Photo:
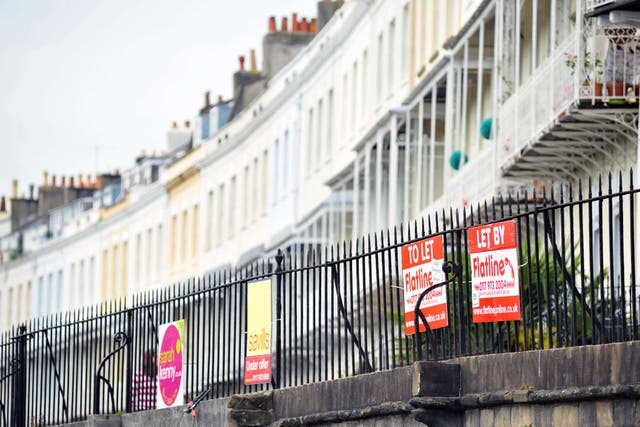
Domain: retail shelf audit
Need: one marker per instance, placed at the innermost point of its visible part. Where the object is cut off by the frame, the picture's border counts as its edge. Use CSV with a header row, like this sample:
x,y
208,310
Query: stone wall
x,y
582,386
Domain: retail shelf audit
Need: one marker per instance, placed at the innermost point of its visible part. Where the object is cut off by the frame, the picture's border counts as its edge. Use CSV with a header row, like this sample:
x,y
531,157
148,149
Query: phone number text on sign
x,y
494,272
421,268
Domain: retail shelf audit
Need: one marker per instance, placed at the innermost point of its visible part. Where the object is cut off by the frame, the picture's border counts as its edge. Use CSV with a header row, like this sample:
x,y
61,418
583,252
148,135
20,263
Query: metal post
x,y
19,416
129,373
278,273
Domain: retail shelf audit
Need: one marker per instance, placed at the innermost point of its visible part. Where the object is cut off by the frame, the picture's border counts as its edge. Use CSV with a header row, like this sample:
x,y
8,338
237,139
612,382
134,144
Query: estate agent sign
x,y
171,358
495,291
421,268
257,364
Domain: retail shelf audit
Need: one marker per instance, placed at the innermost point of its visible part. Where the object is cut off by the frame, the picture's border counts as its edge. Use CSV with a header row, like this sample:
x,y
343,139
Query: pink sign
x,y
170,365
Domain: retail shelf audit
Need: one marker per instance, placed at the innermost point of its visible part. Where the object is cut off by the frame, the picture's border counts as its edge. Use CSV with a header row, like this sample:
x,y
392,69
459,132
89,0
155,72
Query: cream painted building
x,y
182,184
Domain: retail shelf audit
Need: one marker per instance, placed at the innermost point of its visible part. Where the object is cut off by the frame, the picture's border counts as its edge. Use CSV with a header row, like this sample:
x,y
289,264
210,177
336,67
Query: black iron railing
x,y
338,310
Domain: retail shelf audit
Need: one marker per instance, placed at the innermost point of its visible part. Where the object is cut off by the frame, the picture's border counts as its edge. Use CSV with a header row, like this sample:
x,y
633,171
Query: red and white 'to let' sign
x,y
494,272
421,268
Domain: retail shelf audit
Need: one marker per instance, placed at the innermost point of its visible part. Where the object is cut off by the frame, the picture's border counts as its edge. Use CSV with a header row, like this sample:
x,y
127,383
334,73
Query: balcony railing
x,y
536,104
592,4
473,184
608,64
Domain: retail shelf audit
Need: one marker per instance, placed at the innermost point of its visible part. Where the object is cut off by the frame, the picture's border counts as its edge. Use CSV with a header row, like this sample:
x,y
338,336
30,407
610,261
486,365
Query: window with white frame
x,y
405,41
148,254
58,296
159,243
245,197
329,145
72,291
39,309
183,235
309,142
255,192
138,256
379,69
81,283
354,94
276,171
364,83
391,56
265,180
319,136
209,230
284,173
343,109
91,280
195,220
232,207
174,239
220,215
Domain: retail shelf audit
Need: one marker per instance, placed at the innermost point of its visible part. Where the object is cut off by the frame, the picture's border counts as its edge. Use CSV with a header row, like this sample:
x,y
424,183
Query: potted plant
x,y
590,67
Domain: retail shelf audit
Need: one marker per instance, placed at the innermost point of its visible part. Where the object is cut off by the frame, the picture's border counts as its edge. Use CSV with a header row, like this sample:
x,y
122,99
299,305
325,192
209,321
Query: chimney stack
x,y
206,99
63,181
53,180
254,68
241,59
187,123
72,183
294,23
3,204
219,99
31,188
15,188
272,24
285,25
46,179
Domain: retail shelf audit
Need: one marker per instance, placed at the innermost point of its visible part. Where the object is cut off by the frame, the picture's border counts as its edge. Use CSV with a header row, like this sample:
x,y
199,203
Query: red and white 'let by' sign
x,y
421,268
494,272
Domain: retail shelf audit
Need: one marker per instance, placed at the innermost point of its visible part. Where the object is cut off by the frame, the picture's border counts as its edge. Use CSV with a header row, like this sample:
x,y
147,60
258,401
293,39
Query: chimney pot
x,y
313,26
72,183
241,60
174,125
294,22
285,25
253,61
206,99
31,190
219,99
53,180
116,171
272,24
46,179
63,181
3,204
187,124
15,188
80,181
304,26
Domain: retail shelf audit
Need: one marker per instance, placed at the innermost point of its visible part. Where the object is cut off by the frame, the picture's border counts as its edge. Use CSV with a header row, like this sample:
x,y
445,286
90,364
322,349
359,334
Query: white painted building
x,y
393,110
